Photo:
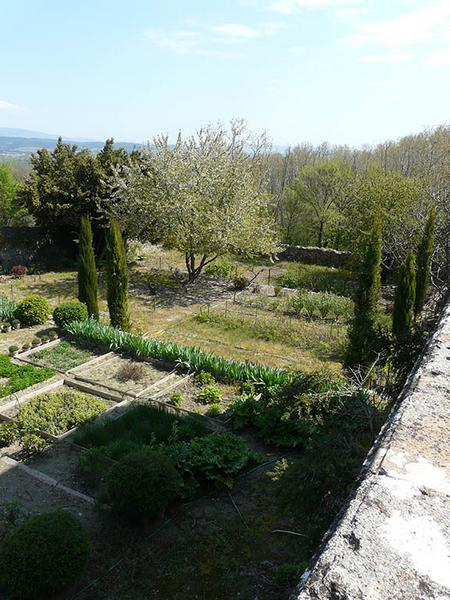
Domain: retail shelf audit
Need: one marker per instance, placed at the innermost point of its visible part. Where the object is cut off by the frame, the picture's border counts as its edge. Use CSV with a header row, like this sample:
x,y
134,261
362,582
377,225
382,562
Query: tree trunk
x,y
193,270
320,239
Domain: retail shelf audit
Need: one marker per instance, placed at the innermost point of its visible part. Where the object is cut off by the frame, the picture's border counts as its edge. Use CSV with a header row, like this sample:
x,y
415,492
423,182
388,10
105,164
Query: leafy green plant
x,y
7,309
58,411
189,357
221,267
13,350
324,304
33,310
142,484
9,432
289,415
33,443
43,555
219,457
204,378
67,312
20,376
209,395
240,282
215,410
176,398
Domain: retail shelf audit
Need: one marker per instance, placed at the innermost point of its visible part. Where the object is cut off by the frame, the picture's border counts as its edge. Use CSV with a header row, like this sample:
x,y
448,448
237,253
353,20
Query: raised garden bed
x,y
63,356
127,376
15,377
45,417
192,397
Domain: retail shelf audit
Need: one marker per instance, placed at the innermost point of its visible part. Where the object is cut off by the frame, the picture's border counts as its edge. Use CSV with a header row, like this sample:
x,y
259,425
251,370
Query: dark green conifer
x,y
405,297
424,254
87,272
117,278
363,330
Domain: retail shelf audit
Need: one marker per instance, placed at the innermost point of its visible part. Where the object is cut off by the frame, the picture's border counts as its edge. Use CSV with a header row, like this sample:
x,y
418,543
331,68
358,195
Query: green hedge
x,y
190,358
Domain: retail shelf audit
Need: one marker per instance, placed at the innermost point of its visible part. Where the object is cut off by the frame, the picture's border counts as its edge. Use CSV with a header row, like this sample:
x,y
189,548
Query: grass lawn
x,y
14,378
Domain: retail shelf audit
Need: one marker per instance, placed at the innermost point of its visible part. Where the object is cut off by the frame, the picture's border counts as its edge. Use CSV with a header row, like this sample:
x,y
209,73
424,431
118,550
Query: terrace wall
x,y
311,255
392,541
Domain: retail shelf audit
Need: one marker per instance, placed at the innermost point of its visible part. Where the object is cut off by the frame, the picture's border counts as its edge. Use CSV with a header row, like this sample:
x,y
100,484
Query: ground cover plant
x,y
53,412
18,377
199,456
64,356
190,358
318,279
58,411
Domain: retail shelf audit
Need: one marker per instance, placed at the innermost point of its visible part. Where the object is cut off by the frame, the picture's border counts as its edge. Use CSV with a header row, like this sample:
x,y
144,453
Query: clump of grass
x,y
130,372
318,279
7,308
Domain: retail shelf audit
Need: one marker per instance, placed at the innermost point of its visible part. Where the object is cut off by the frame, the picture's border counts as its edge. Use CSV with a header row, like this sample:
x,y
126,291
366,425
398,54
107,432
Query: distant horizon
x,y
31,134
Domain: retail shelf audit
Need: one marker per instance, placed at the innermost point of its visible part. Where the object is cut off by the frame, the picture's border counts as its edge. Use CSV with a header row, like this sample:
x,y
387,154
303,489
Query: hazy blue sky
x,y
346,71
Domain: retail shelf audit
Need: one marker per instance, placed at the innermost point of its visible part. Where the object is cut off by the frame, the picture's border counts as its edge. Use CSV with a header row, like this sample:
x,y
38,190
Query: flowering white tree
x,y
203,196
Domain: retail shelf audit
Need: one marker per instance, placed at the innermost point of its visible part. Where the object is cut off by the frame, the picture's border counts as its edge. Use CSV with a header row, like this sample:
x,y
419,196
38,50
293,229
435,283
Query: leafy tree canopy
x,y
203,196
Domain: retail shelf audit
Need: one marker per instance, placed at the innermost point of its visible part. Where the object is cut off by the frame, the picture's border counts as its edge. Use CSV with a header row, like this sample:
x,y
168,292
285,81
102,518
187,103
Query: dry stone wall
x,y
310,255
392,542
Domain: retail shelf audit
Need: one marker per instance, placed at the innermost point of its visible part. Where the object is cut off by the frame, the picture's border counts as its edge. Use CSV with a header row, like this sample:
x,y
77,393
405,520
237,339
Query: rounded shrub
x,y
68,312
33,310
43,556
142,484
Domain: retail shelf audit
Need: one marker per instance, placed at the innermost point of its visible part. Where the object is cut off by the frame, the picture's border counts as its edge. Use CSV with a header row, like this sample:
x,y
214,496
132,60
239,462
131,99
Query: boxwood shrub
x,y
33,310
67,312
142,484
43,555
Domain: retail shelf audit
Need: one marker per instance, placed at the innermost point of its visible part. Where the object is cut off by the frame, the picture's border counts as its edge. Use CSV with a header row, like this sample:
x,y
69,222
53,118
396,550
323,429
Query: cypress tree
x,y
364,326
87,272
117,278
424,254
405,297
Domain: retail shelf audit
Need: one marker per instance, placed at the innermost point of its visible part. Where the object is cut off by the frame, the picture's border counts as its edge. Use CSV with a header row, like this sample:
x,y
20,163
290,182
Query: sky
x,y
342,71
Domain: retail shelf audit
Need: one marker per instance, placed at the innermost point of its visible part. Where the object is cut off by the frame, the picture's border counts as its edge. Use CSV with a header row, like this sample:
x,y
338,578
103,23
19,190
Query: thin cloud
x,y
179,42
4,105
236,32
288,7
429,23
387,58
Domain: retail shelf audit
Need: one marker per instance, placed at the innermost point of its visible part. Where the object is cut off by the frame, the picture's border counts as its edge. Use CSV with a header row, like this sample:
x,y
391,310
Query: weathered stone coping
x,y
392,541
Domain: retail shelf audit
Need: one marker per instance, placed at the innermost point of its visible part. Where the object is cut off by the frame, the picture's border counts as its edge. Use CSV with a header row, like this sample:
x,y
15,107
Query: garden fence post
x,y
268,279
226,307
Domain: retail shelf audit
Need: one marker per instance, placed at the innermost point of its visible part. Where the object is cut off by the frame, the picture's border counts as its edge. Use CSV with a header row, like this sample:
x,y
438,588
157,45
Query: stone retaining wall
x,y
392,542
311,255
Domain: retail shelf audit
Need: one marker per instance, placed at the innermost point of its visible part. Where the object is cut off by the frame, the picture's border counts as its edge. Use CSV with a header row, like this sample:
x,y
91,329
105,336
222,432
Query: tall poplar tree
x,y
364,326
87,271
117,278
405,297
424,254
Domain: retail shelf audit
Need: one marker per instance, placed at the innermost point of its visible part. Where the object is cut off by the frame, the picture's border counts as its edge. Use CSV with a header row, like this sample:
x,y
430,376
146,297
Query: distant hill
x,y
23,142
